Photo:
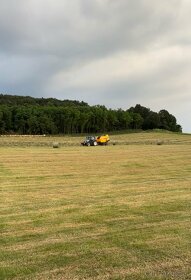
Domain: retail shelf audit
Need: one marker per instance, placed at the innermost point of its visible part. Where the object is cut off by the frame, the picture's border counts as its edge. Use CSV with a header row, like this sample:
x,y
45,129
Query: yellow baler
x,y
103,139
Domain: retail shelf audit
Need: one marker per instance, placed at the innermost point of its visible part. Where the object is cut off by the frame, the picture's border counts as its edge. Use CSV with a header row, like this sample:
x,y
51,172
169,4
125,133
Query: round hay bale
x,y
160,142
55,145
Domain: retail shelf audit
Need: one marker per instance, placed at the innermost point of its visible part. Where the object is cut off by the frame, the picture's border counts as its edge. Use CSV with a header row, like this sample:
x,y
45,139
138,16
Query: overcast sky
x,y
112,52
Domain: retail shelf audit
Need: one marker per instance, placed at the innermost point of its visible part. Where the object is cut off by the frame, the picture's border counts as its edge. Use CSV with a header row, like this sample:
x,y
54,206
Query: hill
x,y
99,213
138,138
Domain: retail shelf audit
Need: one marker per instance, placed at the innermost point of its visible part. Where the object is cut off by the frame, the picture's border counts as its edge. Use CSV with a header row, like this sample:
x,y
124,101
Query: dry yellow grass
x,y
116,212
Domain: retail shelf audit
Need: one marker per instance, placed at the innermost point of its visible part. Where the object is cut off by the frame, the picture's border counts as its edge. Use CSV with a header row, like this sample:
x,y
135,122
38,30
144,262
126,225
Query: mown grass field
x,y
115,212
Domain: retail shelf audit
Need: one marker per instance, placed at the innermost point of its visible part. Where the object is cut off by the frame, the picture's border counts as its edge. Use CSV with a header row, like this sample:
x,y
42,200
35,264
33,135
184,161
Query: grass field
x,y
115,212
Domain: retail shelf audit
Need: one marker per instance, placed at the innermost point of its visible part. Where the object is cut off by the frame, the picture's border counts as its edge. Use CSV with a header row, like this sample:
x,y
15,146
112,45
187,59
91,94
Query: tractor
x,y
94,141
89,141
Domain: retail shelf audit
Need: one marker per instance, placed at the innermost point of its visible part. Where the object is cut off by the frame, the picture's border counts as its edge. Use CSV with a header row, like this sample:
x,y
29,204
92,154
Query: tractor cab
x,y
89,141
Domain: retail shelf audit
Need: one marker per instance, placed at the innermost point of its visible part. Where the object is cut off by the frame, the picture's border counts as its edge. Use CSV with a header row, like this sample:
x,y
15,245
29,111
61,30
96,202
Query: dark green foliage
x,y
14,100
152,120
168,121
27,115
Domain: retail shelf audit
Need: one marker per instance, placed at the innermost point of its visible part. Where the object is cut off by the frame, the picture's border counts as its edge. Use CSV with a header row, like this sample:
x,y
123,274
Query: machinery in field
x,y
103,139
94,141
89,141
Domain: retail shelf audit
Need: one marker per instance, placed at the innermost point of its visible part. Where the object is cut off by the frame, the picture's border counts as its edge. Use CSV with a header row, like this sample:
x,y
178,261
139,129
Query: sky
x,y
116,53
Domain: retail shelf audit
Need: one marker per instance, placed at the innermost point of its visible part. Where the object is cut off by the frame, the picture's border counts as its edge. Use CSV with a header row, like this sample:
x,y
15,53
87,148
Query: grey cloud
x,y
46,44
90,28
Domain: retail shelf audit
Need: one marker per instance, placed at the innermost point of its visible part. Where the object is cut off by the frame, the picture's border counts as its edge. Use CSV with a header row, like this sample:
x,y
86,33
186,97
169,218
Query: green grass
x,y
116,212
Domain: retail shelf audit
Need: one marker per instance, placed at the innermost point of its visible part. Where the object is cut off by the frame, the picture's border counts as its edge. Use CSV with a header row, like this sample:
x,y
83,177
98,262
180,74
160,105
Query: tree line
x,y
28,115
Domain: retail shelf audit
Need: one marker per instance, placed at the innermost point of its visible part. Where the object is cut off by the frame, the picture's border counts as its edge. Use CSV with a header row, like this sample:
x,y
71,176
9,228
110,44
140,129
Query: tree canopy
x,y
28,115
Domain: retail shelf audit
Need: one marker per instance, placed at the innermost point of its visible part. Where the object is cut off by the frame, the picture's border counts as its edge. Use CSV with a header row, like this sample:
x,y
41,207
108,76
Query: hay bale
x,y
55,145
160,142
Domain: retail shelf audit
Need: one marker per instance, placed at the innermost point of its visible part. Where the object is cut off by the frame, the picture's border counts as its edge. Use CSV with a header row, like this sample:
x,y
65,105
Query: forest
x,y
29,115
